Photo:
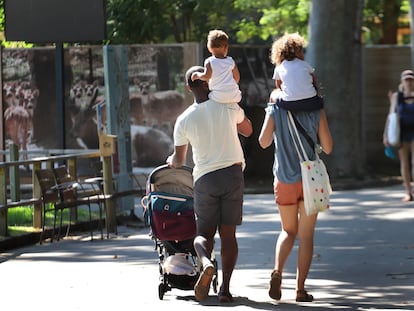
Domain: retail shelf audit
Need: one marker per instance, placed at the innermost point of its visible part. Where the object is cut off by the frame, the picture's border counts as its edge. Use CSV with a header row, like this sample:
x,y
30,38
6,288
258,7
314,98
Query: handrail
x,y
54,158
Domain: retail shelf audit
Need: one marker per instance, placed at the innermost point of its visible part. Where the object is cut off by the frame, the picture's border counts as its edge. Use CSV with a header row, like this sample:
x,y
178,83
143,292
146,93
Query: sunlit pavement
x,y
363,260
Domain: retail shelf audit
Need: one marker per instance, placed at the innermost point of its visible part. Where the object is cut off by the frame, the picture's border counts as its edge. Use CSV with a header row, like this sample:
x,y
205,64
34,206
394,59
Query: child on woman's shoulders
x,y
294,77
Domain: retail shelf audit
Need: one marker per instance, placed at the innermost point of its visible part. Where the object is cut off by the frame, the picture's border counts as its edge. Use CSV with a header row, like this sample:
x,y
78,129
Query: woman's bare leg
x,y
403,153
306,234
287,236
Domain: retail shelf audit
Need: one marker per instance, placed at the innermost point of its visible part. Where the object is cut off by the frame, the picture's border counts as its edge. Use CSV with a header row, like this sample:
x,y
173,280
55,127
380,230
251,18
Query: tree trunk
x,y
43,75
412,31
391,9
335,52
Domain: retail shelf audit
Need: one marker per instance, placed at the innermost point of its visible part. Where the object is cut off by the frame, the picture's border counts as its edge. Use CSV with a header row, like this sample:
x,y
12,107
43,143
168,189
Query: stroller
x,y
169,211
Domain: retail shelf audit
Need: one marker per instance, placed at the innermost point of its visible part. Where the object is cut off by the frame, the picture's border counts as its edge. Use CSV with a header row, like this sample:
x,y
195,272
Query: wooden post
x,y
14,174
110,211
193,56
72,169
3,201
3,107
37,208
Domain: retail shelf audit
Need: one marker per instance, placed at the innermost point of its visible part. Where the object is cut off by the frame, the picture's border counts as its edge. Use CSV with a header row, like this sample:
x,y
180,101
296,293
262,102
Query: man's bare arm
x,y
177,159
245,128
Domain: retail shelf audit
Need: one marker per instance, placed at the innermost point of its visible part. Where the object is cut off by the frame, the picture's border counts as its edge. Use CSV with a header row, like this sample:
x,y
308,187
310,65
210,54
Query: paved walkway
x,y
364,260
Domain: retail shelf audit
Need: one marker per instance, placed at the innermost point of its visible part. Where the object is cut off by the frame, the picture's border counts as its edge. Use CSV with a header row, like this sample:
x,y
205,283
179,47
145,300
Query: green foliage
x,y
149,21
215,14
1,15
246,21
274,18
374,15
277,17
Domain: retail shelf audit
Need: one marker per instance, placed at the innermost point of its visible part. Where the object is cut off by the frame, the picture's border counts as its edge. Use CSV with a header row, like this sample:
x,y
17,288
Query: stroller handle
x,y
144,202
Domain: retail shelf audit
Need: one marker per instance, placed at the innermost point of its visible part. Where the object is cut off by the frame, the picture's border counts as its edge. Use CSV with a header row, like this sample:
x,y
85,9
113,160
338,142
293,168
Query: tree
x,y
381,20
160,21
268,19
412,32
246,21
335,51
391,9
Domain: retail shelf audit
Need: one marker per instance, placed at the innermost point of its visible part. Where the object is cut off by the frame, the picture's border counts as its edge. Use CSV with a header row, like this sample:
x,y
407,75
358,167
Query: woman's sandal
x,y
303,296
275,289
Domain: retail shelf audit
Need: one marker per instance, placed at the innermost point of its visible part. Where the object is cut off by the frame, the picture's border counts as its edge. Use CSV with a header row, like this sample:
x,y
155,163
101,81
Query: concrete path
x,y
363,260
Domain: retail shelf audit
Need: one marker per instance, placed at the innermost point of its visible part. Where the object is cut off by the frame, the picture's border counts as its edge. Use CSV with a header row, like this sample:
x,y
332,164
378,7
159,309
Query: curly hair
x,y
287,47
217,38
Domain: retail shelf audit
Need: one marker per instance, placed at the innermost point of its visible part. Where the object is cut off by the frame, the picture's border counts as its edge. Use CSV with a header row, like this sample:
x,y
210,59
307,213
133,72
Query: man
x,y
212,130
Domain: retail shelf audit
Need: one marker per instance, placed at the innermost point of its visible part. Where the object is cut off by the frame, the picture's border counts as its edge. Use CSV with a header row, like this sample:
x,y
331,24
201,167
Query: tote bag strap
x,y
303,132
294,132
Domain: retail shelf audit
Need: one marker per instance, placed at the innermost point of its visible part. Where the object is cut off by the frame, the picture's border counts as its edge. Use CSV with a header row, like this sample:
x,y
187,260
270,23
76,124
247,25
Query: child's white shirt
x,y
223,87
297,82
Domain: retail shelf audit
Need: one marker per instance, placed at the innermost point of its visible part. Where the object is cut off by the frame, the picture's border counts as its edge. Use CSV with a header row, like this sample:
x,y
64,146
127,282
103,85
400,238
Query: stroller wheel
x,y
161,291
215,278
215,283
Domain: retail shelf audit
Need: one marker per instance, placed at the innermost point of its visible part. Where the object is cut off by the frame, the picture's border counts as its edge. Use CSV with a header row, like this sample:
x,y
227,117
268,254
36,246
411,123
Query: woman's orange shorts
x,y
288,194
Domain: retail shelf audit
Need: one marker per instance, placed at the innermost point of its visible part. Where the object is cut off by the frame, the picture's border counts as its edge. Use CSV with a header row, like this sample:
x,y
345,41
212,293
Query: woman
x,y
288,191
403,99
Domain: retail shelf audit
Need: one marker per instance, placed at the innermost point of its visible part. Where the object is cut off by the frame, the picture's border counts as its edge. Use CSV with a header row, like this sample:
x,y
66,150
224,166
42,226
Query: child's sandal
x,y
303,296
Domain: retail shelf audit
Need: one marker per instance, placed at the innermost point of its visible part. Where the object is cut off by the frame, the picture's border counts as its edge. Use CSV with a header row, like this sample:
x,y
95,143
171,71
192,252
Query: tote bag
x,y
393,128
315,179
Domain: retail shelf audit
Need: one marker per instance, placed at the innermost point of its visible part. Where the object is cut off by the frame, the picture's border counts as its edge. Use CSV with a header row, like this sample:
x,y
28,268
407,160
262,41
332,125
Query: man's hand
x,y
177,159
170,160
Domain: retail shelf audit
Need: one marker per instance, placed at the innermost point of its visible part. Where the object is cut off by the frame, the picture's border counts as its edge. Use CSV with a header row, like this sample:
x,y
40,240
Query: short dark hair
x,y
188,74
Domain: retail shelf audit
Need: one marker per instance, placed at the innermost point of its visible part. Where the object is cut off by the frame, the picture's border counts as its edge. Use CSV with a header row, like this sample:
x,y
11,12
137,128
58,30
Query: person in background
x,y
403,101
220,70
288,191
212,128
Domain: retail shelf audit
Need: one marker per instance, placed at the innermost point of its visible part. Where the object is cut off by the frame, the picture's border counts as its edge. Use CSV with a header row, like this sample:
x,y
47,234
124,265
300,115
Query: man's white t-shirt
x,y
211,130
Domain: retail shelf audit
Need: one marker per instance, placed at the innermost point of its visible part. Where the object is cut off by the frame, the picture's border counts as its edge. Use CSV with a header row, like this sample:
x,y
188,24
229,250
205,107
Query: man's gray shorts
x,y
218,197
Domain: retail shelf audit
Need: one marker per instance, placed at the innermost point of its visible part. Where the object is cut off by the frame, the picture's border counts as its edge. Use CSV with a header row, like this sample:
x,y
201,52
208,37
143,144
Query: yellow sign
x,y
107,144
